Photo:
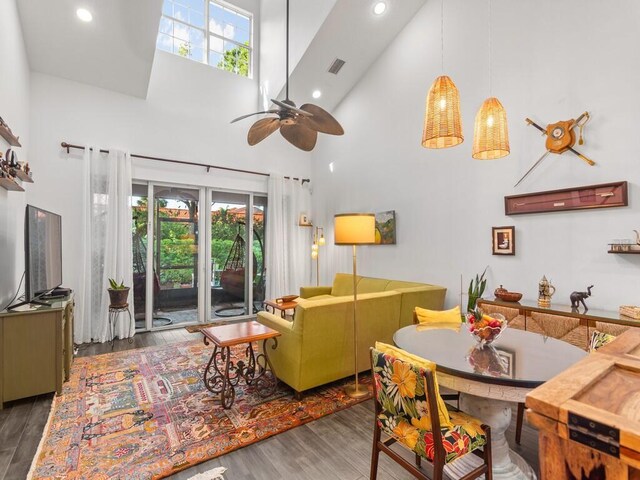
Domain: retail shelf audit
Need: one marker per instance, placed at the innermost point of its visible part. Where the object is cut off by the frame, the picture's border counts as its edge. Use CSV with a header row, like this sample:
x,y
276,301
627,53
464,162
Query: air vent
x,y
336,66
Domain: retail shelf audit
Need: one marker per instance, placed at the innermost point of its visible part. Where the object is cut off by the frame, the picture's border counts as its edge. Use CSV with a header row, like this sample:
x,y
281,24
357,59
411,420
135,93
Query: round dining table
x,y
490,380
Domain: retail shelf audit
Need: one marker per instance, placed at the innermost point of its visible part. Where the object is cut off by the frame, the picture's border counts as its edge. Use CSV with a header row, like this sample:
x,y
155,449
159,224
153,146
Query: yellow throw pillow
x,y
443,413
435,319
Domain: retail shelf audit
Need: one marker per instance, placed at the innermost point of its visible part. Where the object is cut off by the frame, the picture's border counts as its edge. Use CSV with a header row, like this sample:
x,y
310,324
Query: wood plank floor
x,y
337,446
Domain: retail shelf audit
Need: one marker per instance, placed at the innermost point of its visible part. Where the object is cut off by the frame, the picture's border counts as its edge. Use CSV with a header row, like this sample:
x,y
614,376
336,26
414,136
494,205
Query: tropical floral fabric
x,y
599,339
401,391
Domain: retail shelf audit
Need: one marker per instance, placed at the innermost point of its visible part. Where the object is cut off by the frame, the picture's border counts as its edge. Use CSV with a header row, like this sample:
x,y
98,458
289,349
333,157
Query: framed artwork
x,y
504,240
304,221
386,228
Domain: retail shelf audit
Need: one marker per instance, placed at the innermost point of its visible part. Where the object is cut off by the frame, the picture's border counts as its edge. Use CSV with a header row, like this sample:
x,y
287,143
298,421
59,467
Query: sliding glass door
x,y
195,268
237,264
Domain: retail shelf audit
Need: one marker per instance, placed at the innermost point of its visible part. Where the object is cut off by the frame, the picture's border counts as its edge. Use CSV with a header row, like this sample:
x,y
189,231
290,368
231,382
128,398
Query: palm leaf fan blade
x,y
262,129
300,136
322,121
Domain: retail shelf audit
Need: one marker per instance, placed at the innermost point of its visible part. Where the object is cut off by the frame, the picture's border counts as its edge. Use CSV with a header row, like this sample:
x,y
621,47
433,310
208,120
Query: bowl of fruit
x,y
485,327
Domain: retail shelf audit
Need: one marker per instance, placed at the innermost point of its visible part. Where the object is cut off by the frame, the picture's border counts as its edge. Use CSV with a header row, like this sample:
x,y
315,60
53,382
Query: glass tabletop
x,y
517,358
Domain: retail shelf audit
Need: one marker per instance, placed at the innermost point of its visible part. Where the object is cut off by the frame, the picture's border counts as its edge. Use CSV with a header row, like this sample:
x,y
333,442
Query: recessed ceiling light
x,y
84,15
316,94
379,8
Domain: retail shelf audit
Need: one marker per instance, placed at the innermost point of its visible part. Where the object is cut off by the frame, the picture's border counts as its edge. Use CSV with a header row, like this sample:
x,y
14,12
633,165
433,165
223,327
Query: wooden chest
x,y
589,416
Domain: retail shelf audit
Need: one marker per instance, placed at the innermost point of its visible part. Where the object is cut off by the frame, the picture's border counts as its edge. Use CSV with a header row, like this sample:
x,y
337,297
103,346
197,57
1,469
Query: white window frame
x,y
208,34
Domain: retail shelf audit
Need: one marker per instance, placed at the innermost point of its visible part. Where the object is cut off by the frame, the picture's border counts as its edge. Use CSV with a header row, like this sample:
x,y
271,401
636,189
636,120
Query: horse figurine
x,y
578,297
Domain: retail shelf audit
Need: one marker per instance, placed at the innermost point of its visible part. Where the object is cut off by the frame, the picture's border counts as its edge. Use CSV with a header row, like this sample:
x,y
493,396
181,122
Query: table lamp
x,y
355,229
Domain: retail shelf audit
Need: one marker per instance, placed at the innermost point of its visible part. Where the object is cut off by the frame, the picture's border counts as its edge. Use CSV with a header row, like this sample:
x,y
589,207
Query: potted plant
x,y
476,289
118,293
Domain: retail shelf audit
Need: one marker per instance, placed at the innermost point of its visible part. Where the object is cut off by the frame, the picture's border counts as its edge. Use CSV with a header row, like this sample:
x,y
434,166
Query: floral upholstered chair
x,y
410,411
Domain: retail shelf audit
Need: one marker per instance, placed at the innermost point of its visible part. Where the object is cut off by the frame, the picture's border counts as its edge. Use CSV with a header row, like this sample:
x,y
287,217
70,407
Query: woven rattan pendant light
x,y
490,132
442,122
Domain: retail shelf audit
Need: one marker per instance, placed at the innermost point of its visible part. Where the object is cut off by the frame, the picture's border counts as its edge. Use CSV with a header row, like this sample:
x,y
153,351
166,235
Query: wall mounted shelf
x,y
9,136
10,185
24,176
632,252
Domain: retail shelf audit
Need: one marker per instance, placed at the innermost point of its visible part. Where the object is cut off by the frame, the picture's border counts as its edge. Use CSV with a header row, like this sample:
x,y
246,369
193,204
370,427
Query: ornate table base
x,y
507,464
222,374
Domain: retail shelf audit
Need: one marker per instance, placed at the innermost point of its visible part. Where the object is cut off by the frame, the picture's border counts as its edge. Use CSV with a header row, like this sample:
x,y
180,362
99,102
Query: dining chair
x,y
455,396
409,411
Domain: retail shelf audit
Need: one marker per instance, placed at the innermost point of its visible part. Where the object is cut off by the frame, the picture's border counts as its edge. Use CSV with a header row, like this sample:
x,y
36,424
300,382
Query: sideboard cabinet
x,y
36,350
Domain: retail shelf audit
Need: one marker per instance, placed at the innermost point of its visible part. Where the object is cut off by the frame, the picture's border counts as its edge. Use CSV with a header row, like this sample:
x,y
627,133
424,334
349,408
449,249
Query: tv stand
x,y
32,302
36,350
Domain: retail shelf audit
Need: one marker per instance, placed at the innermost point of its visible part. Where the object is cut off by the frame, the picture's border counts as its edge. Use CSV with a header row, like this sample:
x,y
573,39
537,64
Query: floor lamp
x,y
355,229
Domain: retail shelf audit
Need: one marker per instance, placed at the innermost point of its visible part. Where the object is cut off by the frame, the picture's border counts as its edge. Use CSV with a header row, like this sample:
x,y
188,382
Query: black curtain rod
x,y
68,146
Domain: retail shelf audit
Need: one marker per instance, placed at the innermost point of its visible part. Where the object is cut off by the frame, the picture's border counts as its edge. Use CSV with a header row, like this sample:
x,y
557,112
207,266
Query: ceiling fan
x,y
299,126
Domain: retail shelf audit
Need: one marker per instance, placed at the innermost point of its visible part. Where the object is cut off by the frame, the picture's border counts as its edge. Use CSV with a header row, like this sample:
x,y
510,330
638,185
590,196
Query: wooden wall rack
x,y
578,198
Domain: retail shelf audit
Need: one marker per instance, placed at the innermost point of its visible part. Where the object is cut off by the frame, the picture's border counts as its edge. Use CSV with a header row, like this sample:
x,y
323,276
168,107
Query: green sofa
x,y
317,346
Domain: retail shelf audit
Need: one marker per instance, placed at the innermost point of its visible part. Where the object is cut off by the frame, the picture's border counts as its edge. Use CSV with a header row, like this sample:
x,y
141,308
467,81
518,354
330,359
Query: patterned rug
x,y
145,414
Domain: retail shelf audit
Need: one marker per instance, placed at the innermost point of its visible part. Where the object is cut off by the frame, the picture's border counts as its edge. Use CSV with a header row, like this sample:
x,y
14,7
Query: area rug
x,y
145,414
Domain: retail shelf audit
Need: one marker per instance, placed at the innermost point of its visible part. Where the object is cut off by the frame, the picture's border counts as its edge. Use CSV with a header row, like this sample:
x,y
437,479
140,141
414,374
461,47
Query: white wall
x,y
546,66
14,109
186,116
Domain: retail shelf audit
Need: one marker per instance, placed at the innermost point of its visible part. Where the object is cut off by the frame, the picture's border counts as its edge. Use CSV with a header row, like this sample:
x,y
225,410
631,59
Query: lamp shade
x,y
442,123
355,228
490,133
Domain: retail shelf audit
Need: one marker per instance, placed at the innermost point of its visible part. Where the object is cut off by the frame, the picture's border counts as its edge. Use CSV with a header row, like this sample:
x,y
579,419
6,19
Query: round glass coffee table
x,y
491,379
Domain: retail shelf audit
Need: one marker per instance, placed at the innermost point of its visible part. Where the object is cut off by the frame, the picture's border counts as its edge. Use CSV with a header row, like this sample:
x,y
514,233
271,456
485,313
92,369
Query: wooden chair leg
x,y
487,454
519,418
375,453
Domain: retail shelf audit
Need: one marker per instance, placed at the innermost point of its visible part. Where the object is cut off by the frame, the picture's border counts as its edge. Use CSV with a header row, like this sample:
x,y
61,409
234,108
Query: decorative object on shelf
x,y
630,311
507,296
504,240
578,198
8,176
545,292
355,229
299,126
442,122
485,328
304,221
490,131
637,237
560,138
318,241
386,228
8,135
476,289
579,297
118,294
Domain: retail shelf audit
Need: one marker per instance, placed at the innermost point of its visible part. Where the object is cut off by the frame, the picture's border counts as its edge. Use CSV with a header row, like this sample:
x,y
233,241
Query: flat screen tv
x,y
43,252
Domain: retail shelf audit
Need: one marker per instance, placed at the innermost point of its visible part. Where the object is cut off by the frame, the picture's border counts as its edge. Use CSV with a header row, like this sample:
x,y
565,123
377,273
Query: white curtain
x,y
106,240
288,246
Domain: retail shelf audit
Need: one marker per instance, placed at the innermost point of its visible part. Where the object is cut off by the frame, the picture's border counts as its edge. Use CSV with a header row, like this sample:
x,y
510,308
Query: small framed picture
x,y
504,240
304,221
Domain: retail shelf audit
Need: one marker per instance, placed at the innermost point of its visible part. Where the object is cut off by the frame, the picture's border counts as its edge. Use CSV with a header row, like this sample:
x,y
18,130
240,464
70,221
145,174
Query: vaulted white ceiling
x,y
115,51
354,34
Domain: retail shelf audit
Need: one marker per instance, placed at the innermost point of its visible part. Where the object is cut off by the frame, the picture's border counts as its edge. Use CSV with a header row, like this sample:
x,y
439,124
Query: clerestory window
x,y
208,31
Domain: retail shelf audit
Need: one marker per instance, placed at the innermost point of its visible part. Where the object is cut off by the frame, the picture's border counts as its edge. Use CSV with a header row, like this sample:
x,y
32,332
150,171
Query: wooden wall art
x,y
578,198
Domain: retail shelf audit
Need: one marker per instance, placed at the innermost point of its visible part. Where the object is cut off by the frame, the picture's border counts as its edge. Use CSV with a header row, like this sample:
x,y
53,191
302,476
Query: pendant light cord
x,y
287,61
441,35
490,55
